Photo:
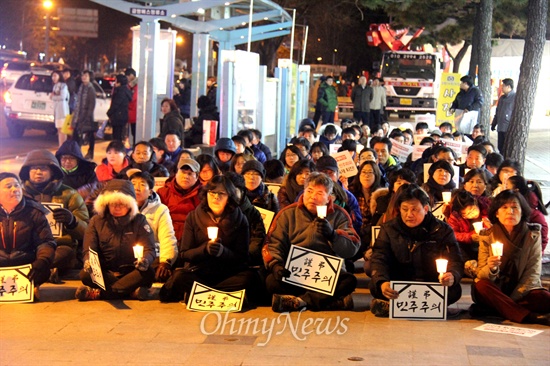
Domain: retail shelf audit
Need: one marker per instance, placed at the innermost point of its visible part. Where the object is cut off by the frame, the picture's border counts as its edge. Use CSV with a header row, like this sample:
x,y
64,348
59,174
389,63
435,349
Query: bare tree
x,y
518,132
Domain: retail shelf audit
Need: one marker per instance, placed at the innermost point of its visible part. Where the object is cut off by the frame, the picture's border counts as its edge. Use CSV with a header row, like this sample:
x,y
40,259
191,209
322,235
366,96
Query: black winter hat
x,y
120,185
254,165
327,162
441,164
41,157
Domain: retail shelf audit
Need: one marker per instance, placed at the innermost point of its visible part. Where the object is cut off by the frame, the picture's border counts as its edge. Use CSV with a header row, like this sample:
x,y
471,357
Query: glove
x,y
325,228
280,272
493,126
38,266
87,267
65,217
214,247
164,271
142,264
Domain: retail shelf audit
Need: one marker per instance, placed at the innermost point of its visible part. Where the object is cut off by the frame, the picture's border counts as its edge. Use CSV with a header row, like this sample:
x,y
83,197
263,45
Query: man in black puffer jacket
x,y
77,171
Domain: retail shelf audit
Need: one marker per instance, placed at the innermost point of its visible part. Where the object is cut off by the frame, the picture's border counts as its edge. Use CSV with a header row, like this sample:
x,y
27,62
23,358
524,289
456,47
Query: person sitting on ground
x,y
446,127
290,156
475,160
318,149
380,203
530,190
209,168
508,282
220,263
293,184
274,172
440,179
143,158
383,149
393,258
181,194
238,161
115,162
77,171
256,191
208,111
507,169
330,136
223,152
160,149
248,136
158,217
257,143
112,234
493,162
464,211
172,139
422,128
310,135
299,225
33,242
240,145
303,144
42,179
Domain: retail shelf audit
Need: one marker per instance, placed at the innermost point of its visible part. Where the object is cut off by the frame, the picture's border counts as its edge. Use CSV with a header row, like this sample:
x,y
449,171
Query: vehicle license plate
x,y
36,104
406,101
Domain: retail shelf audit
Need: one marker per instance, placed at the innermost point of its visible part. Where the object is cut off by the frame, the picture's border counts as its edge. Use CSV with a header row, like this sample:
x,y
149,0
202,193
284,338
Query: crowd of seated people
x,y
160,195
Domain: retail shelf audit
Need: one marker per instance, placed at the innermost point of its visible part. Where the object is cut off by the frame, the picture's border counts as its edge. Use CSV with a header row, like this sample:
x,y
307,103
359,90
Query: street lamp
x,y
47,4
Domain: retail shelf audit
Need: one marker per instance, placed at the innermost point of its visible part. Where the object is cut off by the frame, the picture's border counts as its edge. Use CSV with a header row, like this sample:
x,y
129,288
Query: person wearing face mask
x,y
299,225
143,158
112,234
42,179
26,234
181,194
220,263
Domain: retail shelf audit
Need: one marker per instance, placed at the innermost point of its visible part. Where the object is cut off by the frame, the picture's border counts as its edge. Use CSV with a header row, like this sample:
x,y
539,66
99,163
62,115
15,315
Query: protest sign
x,y
402,151
346,165
97,275
418,150
56,227
333,148
456,146
449,88
438,210
507,329
204,298
418,138
15,286
313,270
267,217
419,301
159,183
375,230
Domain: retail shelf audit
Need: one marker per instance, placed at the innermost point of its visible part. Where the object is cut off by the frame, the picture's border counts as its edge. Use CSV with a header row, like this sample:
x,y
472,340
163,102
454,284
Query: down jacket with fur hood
x,y
113,238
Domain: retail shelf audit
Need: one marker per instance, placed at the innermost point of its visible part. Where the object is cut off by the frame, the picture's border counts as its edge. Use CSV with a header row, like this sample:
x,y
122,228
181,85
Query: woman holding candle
x,y
112,233
509,283
220,263
440,180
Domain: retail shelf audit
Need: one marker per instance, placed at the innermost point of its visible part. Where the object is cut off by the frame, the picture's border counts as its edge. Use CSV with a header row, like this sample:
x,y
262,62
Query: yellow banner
x,y
450,86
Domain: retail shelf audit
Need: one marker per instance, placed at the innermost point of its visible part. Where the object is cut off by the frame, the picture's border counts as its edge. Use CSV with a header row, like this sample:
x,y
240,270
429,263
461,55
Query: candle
x,y
138,251
441,265
497,248
212,232
321,212
446,196
478,226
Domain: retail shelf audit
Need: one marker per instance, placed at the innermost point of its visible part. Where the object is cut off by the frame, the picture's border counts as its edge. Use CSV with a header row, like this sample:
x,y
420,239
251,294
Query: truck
x,y
411,78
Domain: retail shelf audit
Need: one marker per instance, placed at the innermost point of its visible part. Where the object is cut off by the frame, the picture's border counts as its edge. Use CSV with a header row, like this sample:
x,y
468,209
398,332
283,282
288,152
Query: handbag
x,y
67,127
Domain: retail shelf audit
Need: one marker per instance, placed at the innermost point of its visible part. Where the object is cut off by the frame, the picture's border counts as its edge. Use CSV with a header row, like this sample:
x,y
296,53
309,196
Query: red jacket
x,y
132,106
180,203
538,217
105,171
462,227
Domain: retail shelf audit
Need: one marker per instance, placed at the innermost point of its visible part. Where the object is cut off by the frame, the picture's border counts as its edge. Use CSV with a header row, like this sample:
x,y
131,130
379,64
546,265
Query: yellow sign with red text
x,y
450,86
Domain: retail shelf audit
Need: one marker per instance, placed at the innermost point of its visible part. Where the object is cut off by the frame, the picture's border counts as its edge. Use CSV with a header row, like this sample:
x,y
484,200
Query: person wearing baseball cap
x,y
181,194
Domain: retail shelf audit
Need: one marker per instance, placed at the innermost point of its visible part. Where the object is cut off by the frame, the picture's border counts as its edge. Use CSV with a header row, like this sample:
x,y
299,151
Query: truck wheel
x,y
15,131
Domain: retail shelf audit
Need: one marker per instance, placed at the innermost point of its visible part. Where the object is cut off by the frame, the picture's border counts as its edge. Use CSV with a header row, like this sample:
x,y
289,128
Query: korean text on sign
x,y
15,286
204,298
313,270
419,301
56,227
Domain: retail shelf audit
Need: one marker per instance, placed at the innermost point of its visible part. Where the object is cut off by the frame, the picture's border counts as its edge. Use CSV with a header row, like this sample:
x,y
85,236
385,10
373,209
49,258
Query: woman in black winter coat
x,y
220,263
118,112
25,232
112,234
172,119
207,112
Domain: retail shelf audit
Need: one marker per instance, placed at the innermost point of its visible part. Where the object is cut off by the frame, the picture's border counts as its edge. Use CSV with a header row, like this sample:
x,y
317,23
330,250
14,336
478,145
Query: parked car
x,y
107,83
28,104
12,70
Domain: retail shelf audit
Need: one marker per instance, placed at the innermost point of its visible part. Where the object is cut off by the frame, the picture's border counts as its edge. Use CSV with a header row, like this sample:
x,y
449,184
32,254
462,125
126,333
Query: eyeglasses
x,y
367,174
117,205
39,167
252,174
68,158
217,194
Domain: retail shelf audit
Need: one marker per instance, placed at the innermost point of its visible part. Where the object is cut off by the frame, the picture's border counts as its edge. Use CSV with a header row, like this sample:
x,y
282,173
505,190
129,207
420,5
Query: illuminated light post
x,y
47,4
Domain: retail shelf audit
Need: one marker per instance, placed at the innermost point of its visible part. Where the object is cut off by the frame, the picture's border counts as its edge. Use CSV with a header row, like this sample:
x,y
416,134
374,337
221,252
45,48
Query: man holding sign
x,y
299,225
407,248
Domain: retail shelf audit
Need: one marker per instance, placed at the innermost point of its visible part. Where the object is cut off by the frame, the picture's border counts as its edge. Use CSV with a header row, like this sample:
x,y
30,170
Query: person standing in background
x,y
118,112
361,97
60,96
132,106
83,117
503,115
71,85
378,102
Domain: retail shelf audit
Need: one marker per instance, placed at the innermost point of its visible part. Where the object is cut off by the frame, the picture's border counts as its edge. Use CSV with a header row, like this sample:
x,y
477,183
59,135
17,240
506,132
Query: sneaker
x,y
284,303
380,308
141,294
86,293
470,268
54,277
345,303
